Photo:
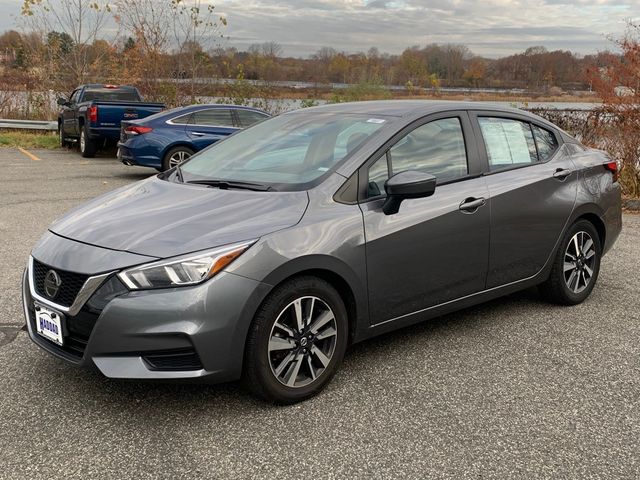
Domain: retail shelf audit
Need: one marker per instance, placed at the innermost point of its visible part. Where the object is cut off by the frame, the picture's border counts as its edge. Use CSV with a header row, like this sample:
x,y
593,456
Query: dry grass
x,y
28,139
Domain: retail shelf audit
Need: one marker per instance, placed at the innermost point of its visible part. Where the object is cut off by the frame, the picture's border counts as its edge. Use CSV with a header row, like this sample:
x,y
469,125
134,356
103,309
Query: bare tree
x,y
197,29
68,28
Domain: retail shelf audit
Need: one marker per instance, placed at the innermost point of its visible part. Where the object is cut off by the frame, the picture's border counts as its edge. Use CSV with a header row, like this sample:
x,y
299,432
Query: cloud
x,y
490,27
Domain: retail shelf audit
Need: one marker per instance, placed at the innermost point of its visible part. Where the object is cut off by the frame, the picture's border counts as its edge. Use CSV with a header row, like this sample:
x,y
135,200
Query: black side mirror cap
x,y
62,101
408,184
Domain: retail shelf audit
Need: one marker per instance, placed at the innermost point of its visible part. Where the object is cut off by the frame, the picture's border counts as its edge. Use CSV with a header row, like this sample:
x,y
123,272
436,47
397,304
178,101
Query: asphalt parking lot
x,y
514,388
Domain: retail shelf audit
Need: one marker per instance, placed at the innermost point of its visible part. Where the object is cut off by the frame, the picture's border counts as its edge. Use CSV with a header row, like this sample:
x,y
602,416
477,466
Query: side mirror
x,y
408,184
62,101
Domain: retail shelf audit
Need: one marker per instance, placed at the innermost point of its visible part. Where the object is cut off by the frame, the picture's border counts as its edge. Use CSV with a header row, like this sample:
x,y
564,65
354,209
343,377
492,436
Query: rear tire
x,y
576,266
176,156
87,146
296,342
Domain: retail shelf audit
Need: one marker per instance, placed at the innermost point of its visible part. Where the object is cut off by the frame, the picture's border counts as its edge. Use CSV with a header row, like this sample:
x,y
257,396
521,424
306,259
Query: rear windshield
x,y
110,95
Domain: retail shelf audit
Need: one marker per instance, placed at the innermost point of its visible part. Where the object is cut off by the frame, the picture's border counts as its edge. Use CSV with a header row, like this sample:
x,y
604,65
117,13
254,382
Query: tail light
x,y
93,114
137,130
613,168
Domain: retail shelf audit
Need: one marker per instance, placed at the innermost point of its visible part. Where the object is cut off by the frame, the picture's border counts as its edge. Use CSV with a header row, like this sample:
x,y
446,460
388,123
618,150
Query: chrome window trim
x,y
88,289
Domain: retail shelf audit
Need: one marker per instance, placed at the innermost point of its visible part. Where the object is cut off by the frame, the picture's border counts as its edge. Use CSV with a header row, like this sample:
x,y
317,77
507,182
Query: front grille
x,y
77,329
186,359
70,285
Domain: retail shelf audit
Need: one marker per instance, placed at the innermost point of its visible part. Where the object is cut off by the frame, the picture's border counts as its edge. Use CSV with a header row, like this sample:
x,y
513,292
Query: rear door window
x,y
213,117
509,142
249,117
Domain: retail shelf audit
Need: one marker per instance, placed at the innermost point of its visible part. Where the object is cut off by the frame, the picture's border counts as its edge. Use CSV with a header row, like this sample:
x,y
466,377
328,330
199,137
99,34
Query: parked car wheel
x,y
576,266
61,139
176,156
87,146
297,341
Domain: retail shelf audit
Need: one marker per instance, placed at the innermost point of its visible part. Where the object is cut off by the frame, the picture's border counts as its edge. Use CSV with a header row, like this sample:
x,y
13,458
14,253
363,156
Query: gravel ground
x,y
514,388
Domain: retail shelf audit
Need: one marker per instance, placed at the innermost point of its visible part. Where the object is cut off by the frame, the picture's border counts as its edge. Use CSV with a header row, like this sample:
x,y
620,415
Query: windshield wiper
x,y
179,174
227,184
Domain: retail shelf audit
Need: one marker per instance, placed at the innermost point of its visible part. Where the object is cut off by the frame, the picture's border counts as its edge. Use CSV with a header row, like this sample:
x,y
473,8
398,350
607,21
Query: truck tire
x,y
87,146
62,140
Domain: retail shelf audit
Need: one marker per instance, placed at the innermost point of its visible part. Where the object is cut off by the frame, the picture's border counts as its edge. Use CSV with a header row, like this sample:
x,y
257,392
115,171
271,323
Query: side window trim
x,y
482,148
474,160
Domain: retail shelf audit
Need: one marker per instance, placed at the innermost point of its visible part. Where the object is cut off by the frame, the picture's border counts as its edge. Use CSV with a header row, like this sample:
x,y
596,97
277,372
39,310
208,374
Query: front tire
x,y
61,139
575,269
296,342
87,146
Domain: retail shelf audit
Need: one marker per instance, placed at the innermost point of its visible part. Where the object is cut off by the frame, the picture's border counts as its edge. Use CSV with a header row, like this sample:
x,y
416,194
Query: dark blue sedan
x,y
168,138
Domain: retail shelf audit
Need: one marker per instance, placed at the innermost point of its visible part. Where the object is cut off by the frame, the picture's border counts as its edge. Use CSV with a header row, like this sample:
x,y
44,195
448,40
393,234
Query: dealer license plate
x,y
49,324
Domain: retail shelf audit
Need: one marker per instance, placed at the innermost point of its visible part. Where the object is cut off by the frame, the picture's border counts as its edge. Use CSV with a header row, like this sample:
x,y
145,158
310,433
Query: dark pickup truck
x,y
92,114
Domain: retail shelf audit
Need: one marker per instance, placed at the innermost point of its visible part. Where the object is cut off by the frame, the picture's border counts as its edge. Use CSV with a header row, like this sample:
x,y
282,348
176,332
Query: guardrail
x,y
28,125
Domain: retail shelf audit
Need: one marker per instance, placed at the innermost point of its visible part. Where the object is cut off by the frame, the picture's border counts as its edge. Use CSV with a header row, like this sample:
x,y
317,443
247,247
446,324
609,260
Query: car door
x,y
434,249
532,188
69,115
210,125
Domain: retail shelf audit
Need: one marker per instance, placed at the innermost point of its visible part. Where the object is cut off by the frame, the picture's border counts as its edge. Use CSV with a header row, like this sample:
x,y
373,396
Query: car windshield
x,y
284,152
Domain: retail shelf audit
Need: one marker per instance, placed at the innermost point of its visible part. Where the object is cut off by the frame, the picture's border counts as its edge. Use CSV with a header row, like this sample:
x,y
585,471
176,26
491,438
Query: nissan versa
x,y
264,256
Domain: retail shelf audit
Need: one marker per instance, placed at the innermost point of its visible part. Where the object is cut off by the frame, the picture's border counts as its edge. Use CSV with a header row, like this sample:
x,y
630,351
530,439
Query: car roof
x,y
406,108
108,86
418,108
202,106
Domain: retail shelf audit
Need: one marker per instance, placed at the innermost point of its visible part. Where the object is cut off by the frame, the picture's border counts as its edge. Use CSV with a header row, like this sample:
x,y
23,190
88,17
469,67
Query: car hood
x,y
163,219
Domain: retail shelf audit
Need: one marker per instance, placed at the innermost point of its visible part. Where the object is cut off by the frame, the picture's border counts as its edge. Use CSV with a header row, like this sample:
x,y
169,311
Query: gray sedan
x,y
266,255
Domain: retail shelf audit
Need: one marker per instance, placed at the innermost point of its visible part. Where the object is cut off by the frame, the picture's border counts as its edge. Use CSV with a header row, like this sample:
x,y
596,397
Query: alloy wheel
x,y
579,262
178,157
302,341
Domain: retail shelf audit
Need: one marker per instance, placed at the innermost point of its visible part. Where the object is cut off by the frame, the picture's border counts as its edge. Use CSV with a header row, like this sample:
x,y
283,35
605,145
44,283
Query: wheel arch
x,y
593,214
339,276
178,143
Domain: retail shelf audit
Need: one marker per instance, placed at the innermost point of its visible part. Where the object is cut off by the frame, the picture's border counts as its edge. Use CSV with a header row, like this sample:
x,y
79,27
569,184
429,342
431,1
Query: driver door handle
x,y
472,204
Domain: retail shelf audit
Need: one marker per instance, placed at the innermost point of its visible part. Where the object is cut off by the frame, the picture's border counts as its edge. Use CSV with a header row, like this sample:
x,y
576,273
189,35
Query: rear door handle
x,y
471,205
561,173
198,134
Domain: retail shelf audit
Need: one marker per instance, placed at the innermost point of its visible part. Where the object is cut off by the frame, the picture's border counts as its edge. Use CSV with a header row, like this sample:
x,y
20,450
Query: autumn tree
x,y
619,127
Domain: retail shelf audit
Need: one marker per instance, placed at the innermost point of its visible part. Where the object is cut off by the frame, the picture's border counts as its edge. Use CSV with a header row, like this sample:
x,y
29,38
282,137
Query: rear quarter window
x,y
546,142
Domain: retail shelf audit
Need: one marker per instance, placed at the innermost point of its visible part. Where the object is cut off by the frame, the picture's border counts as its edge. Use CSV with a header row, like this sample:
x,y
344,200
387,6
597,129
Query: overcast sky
x,y
491,27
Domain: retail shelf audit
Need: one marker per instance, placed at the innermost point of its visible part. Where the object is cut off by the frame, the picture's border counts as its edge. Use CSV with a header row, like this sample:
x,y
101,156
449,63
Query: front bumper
x,y
137,335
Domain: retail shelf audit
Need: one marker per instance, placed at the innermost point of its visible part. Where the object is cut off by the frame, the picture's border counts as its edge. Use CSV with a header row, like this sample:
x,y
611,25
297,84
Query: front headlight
x,y
182,271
